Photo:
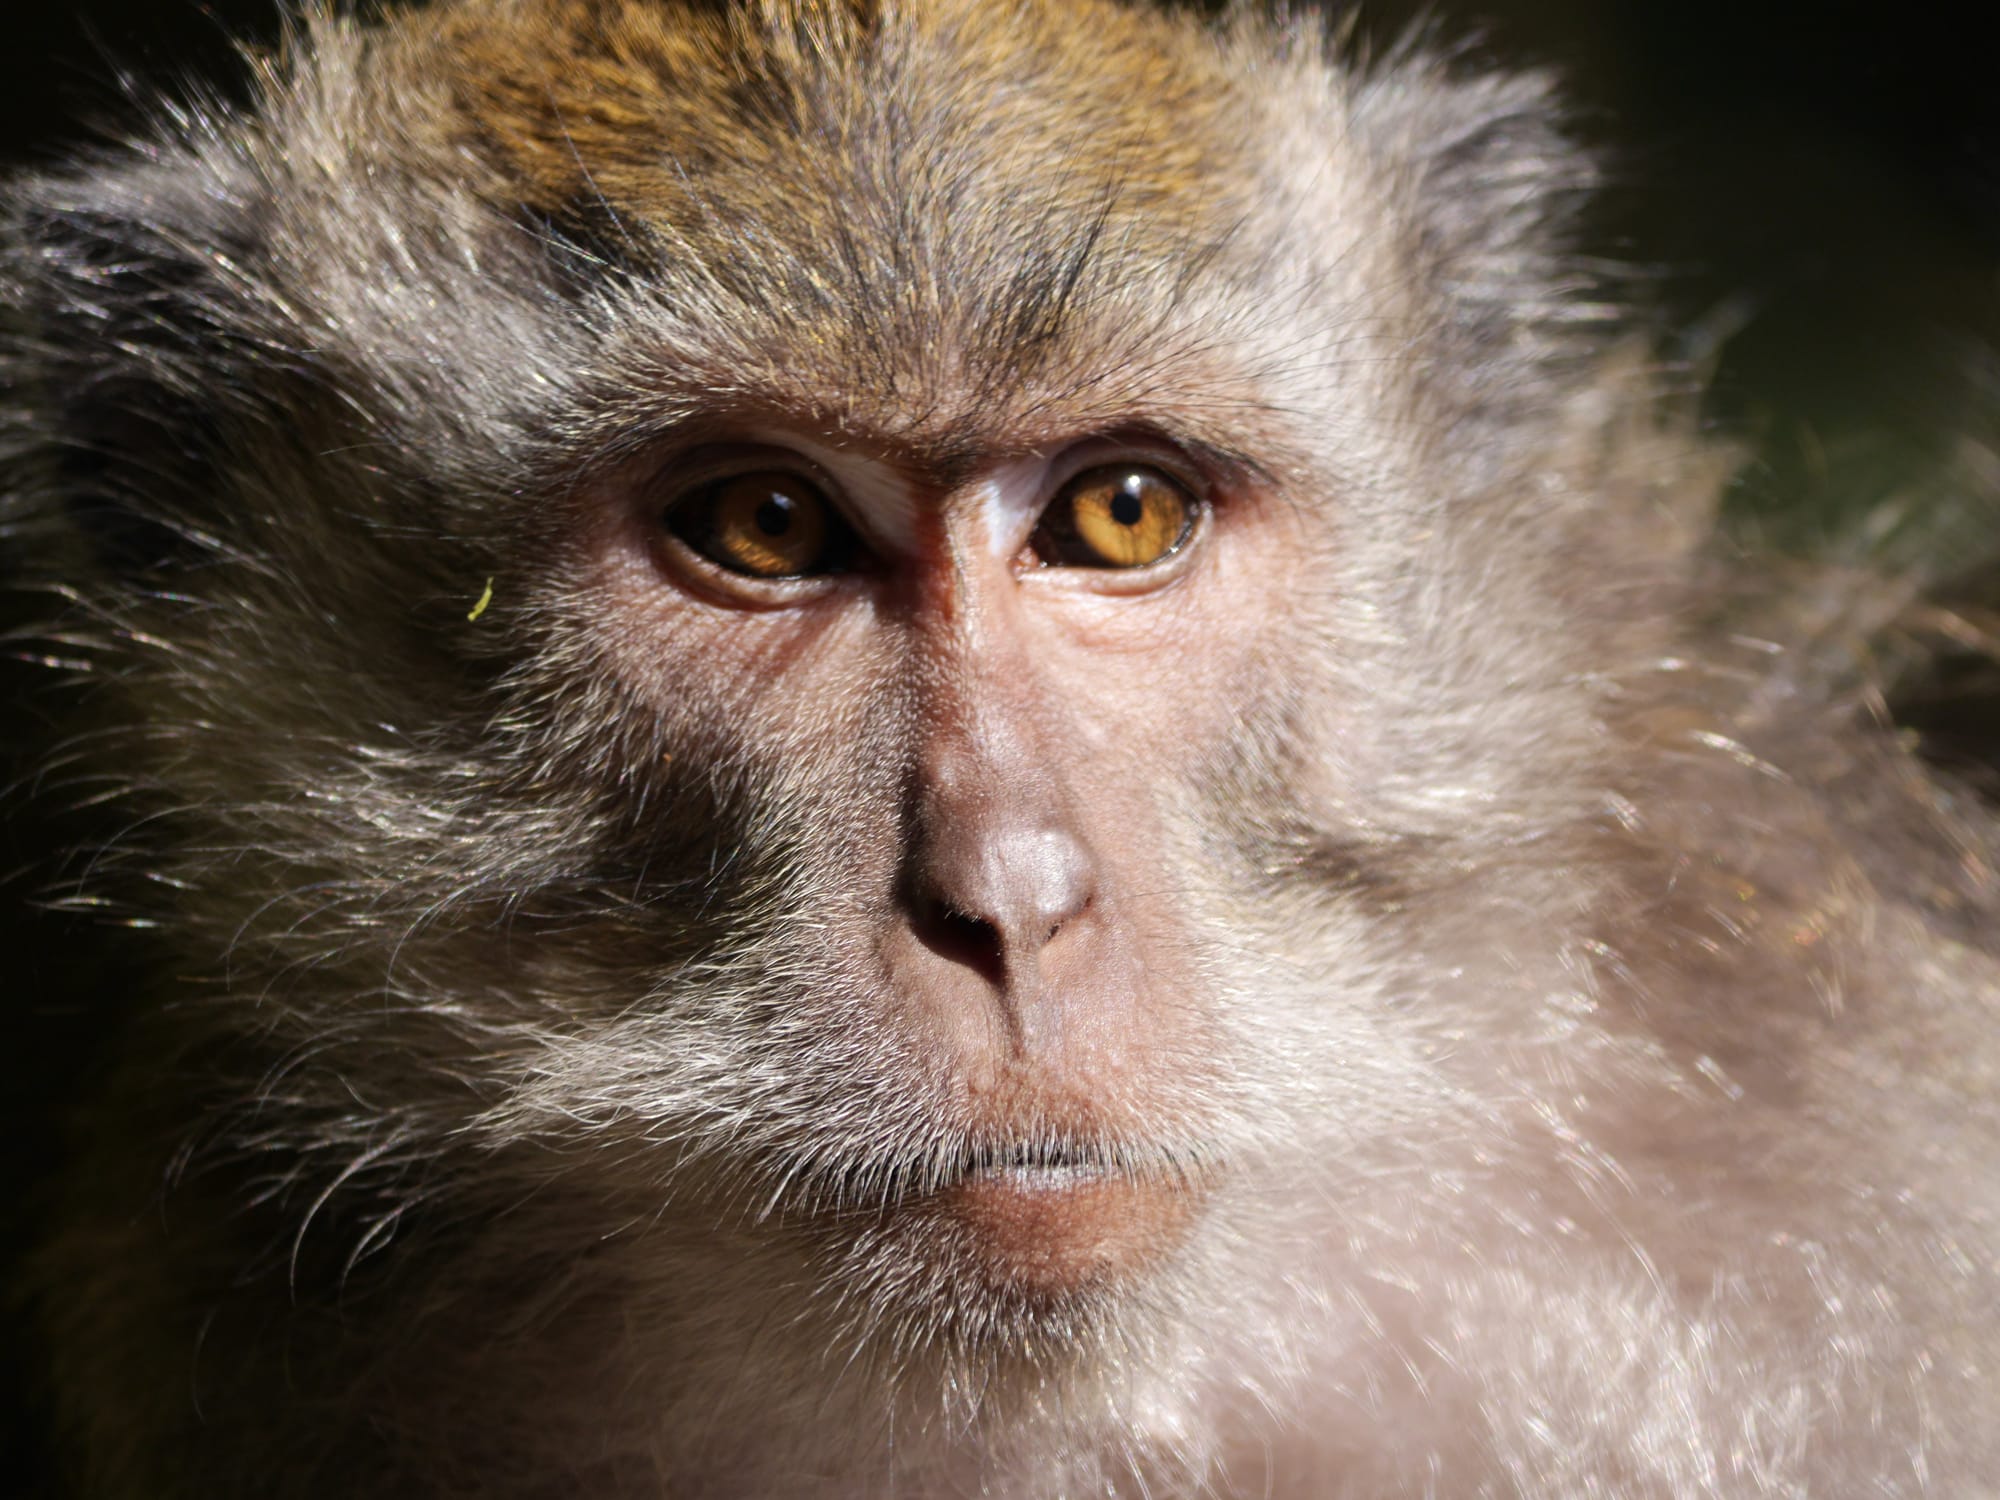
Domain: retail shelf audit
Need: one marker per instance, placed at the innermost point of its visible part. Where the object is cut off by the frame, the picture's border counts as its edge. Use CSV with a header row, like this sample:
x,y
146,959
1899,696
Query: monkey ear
x,y
115,357
1491,185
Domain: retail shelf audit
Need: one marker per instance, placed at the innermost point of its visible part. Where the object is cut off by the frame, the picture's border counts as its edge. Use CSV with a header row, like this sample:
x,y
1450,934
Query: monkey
x,y
925,748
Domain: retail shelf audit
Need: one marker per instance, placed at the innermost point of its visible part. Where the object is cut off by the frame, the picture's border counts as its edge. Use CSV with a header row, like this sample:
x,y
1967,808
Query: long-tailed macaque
x,y
928,748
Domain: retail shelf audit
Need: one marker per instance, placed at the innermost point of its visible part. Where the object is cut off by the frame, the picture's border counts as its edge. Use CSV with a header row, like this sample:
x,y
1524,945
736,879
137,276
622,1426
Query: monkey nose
x,y
994,898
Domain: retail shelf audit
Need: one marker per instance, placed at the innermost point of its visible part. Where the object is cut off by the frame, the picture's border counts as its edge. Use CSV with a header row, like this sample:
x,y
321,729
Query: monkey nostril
x,y
971,941
1057,924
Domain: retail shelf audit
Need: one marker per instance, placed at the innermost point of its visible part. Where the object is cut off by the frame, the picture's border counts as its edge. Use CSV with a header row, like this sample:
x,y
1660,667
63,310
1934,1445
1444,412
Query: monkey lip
x,y
1051,1222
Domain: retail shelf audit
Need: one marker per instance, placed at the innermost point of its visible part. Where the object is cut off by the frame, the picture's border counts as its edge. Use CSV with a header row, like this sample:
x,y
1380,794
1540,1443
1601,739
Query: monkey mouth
x,y
1056,1218
893,1184
1056,1164
1040,1219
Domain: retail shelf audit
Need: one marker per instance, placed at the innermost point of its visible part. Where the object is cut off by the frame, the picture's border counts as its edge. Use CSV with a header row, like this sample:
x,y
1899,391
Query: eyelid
x,y
1141,449
681,474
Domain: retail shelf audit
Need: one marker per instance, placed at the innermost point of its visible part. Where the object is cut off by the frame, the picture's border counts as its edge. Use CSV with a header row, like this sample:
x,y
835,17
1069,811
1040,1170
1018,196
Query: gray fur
x,y
1605,999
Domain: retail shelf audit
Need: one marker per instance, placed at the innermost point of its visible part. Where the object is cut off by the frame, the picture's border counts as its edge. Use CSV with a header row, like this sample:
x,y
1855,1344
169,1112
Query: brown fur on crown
x,y
661,112
867,184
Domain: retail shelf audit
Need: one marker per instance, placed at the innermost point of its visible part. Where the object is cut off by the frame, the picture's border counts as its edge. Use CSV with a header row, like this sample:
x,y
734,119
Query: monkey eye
x,y
764,524
1116,516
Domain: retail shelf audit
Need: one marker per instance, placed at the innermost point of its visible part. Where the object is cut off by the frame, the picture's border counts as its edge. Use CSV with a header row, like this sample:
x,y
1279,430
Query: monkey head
x,y
914,725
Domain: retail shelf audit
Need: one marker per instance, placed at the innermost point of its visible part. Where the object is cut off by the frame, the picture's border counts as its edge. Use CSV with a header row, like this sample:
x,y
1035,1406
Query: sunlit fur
x,y
1590,1047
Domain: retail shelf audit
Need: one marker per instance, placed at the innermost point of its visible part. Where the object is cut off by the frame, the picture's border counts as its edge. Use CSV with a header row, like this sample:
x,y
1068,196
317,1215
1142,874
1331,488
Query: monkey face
x,y
1005,676
879,796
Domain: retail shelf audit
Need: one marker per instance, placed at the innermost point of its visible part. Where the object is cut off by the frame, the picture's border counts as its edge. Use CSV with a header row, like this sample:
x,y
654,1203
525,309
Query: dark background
x,y
1814,206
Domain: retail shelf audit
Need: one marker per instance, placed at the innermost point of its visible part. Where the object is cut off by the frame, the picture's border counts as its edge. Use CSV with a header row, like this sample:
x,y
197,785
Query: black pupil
x,y
774,516
1125,505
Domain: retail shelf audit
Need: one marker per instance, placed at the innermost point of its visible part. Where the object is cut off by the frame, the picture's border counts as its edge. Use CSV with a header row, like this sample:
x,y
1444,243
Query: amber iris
x,y
766,524
1120,516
